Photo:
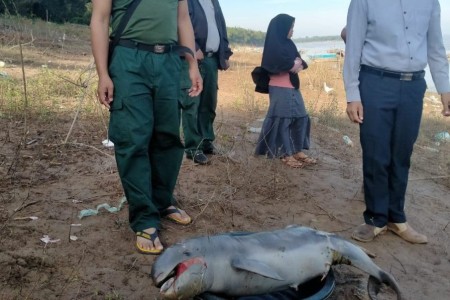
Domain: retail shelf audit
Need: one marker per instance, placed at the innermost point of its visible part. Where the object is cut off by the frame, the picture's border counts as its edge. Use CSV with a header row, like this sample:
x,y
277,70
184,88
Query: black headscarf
x,y
279,50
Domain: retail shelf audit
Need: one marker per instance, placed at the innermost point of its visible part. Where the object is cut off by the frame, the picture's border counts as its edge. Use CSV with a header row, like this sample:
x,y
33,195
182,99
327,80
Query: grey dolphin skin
x,y
257,263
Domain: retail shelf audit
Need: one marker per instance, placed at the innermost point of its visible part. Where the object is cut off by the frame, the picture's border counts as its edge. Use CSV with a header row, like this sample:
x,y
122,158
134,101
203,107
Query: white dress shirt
x,y
213,40
395,35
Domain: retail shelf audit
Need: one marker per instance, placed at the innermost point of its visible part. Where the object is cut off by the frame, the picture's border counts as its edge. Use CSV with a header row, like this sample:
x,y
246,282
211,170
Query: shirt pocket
x,y
419,18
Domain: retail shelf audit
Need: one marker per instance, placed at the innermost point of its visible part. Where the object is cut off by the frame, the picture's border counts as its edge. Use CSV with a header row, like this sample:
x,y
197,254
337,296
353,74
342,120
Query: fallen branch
x,y
445,227
92,147
24,206
85,86
331,216
430,178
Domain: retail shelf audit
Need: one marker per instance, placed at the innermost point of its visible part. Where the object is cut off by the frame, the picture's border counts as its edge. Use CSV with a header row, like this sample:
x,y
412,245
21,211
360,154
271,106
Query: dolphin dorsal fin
x,y
255,266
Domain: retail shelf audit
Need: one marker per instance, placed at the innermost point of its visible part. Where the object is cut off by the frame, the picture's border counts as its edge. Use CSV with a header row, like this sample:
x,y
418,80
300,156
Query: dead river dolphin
x,y
257,263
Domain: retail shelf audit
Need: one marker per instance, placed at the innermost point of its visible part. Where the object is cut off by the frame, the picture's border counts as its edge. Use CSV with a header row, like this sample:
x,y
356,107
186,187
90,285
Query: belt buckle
x,y
406,76
159,49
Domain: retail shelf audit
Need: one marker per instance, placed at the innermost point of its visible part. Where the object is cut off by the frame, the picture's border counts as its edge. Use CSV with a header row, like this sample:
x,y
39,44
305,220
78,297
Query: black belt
x,y
406,76
210,54
157,48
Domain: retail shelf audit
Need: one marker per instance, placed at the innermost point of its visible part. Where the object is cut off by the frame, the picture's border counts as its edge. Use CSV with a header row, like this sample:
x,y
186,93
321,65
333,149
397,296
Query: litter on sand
x,y
106,206
46,239
254,129
108,143
32,218
442,137
73,238
347,140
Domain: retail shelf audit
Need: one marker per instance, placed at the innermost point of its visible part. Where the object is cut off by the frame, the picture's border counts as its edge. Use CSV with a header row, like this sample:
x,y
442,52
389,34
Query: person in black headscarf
x,y
286,129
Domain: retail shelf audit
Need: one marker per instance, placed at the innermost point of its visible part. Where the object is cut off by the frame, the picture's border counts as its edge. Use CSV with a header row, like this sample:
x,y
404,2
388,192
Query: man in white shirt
x,y
388,45
213,52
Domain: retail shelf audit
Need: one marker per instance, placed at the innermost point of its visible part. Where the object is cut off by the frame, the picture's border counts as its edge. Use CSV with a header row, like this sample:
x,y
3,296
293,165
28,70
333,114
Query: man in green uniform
x,y
141,88
213,53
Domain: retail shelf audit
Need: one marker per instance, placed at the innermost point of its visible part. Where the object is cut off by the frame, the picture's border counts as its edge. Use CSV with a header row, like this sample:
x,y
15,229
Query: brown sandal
x,y
305,158
290,161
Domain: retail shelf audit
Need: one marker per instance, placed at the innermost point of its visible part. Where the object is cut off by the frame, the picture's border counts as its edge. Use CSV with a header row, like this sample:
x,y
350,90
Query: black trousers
x,y
392,115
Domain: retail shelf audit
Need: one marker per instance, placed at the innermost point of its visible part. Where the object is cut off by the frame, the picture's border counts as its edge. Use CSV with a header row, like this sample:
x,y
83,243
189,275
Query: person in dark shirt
x,y
213,53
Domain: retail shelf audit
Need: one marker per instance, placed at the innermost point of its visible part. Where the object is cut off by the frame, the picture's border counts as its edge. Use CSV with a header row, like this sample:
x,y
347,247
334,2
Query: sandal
x,y
168,214
305,158
290,161
151,237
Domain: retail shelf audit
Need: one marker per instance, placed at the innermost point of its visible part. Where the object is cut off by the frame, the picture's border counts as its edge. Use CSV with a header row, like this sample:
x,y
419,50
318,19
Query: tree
x,y
58,11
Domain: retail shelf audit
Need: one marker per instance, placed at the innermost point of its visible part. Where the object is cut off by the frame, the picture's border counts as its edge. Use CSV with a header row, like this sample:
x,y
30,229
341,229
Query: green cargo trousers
x,y
144,127
199,112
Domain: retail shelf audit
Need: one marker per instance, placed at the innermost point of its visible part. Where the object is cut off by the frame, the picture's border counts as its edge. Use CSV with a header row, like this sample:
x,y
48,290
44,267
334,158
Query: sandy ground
x,y
44,178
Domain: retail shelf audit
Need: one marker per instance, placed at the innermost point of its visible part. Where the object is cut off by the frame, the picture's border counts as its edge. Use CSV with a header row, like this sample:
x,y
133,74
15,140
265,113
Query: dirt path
x,y
43,178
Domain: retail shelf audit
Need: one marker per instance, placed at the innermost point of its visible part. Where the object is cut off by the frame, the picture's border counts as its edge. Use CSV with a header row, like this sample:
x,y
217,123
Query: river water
x,y
318,48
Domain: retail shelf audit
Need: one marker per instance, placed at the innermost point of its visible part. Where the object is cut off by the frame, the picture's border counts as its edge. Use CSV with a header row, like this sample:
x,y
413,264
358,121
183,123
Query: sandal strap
x,y
148,236
292,162
169,211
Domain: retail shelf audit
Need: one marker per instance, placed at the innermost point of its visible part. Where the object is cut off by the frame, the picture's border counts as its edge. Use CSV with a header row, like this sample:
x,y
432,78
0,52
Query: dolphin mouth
x,y
165,280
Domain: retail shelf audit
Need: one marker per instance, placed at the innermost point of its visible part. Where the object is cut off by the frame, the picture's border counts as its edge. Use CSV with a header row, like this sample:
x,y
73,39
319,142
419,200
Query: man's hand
x,y
355,112
197,81
445,98
199,55
105,91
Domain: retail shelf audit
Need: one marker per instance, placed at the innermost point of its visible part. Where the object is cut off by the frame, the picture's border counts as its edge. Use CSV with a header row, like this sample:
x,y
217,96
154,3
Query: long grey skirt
x,y
287,126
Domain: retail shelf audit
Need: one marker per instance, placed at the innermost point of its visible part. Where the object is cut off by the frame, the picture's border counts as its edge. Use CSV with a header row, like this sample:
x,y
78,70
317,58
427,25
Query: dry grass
x,y
58,67
238,192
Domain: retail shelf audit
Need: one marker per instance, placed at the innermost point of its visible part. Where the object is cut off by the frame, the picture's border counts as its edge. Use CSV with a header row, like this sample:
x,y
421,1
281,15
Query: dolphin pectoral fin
x,y
256,267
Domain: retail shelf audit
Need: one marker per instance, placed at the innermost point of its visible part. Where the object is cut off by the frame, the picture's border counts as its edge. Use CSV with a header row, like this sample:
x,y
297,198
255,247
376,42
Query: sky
x,y
312,17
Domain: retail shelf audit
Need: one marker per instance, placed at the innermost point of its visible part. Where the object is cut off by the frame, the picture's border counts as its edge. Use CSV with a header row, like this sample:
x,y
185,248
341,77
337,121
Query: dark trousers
x,y
198,113
392,115
189,107
144,126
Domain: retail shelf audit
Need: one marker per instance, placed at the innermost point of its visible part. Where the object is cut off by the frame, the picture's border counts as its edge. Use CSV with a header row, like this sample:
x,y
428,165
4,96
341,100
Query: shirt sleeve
x,y
356,34
437,57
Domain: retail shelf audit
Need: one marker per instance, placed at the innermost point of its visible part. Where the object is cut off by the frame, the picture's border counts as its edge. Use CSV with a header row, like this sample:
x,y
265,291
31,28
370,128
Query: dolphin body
x,y
257,263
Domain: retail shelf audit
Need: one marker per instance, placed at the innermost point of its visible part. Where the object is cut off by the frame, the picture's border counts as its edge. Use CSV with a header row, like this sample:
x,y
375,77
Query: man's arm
x,y
355,36
437,58
344,34
186,38
224,36
101,12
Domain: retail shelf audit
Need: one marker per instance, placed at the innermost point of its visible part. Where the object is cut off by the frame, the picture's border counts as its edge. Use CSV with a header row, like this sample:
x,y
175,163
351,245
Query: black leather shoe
x,y
210,150
199,158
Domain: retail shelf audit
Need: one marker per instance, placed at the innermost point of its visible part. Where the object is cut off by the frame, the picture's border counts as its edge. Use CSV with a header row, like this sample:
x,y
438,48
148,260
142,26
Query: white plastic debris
x,y
2,64
347,140
77,201
254,129
46,239
32,218
443,136
73,238
108,143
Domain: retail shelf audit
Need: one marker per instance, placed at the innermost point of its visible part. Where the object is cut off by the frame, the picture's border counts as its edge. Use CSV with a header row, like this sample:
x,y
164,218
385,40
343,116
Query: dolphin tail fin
x,y
348,253
374,286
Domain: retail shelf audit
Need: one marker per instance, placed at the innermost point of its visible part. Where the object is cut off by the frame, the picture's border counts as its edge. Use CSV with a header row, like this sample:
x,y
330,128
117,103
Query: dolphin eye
x,y
187,253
